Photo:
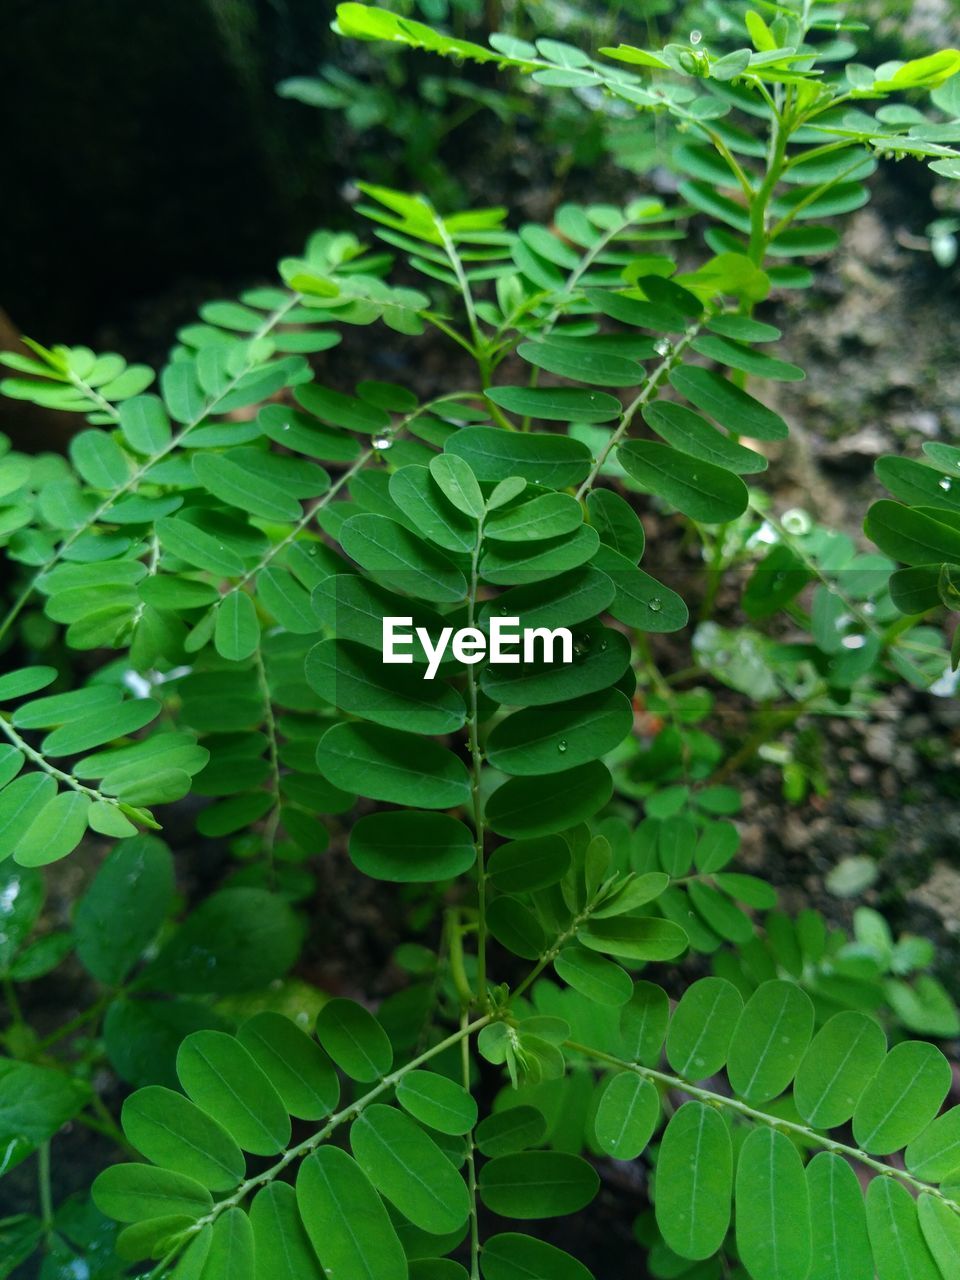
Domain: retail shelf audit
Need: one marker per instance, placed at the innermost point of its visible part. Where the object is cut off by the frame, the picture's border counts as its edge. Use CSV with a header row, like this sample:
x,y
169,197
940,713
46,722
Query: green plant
x,y
239,538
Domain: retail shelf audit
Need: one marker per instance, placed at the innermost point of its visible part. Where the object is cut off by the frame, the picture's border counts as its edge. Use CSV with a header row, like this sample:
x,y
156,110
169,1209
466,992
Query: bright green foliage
x,y
237,536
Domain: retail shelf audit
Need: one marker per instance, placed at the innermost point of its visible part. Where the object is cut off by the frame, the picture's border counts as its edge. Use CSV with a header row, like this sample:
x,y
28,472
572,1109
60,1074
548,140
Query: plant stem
x,y
646,393
721,1101
476,771
81,1020
44,1188
471,1162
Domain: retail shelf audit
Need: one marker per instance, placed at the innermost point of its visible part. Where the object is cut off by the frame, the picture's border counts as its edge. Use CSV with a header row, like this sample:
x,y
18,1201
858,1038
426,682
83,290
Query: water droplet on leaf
x,y
655,605
381,442
696,37
562,744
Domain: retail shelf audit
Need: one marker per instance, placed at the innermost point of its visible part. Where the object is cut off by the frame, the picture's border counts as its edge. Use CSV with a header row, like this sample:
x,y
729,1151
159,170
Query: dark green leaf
x,y
220,1076
354,1039
551,460
773,1208
559,404
345,1219
387,764
405,846
699,489
409,1169
695,1181
537,1184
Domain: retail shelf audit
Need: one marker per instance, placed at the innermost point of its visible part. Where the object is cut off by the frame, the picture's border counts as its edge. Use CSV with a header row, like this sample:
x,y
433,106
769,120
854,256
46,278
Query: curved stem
x,y
646,394
40,760
802,1131
471,1161
349,1113
476,770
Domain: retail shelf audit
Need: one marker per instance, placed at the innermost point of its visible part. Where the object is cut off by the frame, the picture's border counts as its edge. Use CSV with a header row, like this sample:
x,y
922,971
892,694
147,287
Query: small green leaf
x,y
587,363
119,915
346,1221
16,684
549,516
695,1181
401,561
702,1027
902,1098
511,1256
633,938
171,1131
556,404
911,536
627,1115
545,740
240,485
55,831
295,1064
540,806
354,678
770,1039
409,1169
422,500
145,425
221,1077
841,1061
941,1231
354,1039
551,460
732,407
129,1192
617,523
537,1184
934,1155
899,1249
643,1022
458,483
773,1208
437,1101
593,976
694,436
529,864
841,1246
281,1245
504,1132
387,764
405,846
699,489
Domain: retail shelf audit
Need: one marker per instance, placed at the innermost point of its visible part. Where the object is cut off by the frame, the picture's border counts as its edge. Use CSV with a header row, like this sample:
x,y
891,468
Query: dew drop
x,y
562,745
603,645
663,346
696,37
381,442
854,642
655,605
286,426
945,484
